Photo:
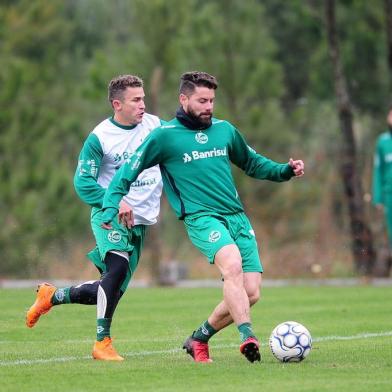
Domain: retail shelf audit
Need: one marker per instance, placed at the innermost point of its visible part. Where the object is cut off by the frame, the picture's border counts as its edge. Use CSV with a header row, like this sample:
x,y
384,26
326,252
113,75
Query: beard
x,y
203,118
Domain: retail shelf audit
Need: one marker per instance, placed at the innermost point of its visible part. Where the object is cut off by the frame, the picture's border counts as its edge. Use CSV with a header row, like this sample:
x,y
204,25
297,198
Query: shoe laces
x,y
200,350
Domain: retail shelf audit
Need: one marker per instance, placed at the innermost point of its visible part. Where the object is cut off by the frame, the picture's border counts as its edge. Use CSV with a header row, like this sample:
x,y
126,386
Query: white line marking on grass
x,y
177,350
359,336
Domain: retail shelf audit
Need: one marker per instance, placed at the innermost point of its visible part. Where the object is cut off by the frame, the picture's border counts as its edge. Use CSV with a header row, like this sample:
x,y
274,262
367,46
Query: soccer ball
x,y
290,342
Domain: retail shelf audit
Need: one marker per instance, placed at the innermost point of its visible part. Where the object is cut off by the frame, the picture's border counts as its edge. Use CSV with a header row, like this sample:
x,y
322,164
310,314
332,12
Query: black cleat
x,y
250,348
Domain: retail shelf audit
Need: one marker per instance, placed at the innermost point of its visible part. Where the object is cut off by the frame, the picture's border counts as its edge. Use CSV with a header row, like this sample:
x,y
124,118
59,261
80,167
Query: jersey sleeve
x,y
86,175
378,169
256,165
148,154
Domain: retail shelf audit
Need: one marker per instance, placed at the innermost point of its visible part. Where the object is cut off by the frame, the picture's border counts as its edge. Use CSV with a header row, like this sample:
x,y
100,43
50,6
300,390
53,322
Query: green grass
x,y
151,324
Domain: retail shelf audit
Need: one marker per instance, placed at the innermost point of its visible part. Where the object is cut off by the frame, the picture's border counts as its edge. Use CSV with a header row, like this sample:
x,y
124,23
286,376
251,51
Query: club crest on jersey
x,y
114,237
201,138
214,236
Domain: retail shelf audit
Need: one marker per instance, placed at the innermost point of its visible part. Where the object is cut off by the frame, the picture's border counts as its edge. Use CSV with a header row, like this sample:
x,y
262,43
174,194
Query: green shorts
x,y
120,239
210,232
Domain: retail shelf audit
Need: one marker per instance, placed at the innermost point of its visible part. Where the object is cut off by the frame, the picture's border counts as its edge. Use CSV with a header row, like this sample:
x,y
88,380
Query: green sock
x,y
103,328
204,332
245,331
61,296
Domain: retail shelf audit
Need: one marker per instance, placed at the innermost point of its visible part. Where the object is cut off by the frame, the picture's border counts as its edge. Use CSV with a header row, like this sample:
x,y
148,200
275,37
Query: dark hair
x,y
191,80
119,84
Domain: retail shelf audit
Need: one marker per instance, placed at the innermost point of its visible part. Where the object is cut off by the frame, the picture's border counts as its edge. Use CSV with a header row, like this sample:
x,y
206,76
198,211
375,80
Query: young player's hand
x,y
125,215
298,167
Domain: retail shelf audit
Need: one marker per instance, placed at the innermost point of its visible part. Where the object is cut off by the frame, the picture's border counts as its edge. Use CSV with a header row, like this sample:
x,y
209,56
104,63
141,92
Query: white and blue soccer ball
x,y
290,342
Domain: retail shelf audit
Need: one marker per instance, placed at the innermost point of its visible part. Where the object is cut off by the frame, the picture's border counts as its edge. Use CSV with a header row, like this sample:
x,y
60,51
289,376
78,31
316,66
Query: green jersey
x,y
382,173
195,167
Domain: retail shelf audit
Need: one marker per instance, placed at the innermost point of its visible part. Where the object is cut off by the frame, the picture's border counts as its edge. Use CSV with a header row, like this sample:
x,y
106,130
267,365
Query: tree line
x,y
277,82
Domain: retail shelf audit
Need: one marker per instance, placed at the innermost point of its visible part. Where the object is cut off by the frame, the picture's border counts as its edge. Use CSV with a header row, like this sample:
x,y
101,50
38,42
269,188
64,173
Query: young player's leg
x,y
48,295
109,292
118,268
85,293
108,296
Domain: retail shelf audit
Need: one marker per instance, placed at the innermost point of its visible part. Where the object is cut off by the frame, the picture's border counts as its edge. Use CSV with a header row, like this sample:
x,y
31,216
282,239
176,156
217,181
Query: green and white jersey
x,y
195,167
382,172
105,150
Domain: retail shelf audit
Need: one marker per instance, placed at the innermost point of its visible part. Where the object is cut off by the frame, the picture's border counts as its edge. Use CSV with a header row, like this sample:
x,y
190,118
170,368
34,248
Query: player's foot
x,y
41,305
250,348
197,350
105,351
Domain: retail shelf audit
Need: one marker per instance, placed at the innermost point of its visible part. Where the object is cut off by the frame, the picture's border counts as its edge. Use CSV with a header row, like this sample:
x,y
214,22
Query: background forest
x,y
276,84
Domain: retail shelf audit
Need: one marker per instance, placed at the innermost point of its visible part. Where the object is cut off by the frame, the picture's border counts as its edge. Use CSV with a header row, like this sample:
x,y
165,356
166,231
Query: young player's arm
x,y
85,178
148,154
258,166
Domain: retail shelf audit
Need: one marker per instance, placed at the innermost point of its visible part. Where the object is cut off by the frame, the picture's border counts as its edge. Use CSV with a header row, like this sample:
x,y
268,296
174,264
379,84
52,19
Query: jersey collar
x,y
126,127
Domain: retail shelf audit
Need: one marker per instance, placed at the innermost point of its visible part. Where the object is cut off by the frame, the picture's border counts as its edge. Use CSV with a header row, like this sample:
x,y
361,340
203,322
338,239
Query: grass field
x,y
351,328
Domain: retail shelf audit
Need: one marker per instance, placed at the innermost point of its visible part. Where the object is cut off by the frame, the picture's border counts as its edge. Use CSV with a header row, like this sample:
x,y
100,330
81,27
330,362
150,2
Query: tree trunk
x,y
362,242
154,242
388,16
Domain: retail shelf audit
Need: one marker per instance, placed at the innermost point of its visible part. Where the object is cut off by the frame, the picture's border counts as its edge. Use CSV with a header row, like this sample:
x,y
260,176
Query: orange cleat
x,y
104,350
41,305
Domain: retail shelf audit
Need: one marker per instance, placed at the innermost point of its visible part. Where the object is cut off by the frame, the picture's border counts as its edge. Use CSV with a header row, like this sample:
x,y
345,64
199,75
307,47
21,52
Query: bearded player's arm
x,y
258,166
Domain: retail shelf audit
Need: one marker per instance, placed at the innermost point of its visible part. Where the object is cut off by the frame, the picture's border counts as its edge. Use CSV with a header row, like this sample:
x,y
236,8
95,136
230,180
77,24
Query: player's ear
x,y
116,103
183,100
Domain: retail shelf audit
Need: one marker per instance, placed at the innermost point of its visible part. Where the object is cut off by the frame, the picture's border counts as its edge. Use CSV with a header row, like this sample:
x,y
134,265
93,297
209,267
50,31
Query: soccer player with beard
x,y
116,256
194,151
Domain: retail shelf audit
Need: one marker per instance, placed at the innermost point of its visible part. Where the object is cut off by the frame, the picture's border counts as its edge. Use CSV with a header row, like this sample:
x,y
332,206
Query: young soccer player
x,y
108,146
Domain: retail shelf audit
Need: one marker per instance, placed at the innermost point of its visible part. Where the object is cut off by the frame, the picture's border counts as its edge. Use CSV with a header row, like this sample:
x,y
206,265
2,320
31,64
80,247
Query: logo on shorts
x,y
114,237
59,295
201,138
214,236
